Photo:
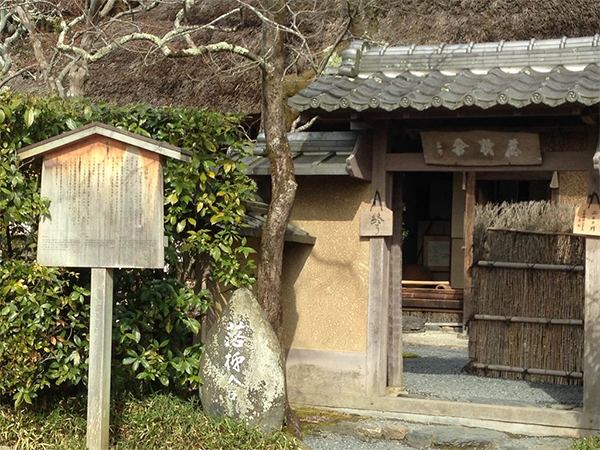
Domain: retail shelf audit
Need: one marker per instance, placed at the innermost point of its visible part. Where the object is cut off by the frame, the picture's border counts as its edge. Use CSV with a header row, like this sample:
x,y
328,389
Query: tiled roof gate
x,y
550,72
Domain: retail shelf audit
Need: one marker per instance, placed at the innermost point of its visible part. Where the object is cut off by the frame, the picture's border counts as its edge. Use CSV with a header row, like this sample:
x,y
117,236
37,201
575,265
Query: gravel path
x,y
437,373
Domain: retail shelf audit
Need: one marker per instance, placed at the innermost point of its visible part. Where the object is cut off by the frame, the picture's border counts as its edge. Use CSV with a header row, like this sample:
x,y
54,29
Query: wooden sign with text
x,y
587,220
105,187
481,148
106,207
377,222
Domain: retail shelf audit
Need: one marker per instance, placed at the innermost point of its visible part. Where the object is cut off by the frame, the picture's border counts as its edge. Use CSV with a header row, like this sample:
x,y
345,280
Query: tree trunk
x,y
78,76
79,73
283,181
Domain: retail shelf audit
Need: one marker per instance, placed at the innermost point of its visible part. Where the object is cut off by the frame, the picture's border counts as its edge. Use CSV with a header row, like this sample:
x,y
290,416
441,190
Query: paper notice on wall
x,y
587,220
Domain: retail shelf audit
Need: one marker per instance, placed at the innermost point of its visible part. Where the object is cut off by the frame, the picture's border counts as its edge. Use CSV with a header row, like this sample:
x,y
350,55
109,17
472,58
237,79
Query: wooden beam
x,y
432,294
98,413
515,176
457,243
395,362
470,184
593,148
591,333
559,161
433,303
591,351
379,256
360,163
513,419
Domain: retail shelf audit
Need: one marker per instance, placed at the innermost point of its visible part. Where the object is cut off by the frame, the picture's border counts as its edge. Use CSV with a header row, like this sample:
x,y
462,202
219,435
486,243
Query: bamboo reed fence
x,y
527,318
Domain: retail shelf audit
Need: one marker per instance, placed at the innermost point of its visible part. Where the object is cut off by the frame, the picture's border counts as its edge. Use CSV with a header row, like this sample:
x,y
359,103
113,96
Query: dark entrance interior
x,y
433,218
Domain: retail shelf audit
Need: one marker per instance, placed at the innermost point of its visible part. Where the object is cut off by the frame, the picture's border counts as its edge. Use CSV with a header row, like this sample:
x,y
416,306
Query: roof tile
x,y
463,89
486,76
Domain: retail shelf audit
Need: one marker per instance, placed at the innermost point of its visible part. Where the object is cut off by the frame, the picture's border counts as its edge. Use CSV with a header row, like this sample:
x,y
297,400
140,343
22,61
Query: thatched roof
x,y
219,82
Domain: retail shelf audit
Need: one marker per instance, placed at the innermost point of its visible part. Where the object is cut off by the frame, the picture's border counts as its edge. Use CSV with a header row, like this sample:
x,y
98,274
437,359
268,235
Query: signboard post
x,y
105,188
98,413
587,222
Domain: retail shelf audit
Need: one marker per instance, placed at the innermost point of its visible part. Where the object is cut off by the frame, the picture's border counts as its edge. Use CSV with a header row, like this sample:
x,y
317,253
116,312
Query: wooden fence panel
x,y
525,294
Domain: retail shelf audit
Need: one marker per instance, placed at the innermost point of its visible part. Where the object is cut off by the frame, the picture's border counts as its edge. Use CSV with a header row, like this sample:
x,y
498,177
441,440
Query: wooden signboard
x,y
481,148
105,187
106,207
587,220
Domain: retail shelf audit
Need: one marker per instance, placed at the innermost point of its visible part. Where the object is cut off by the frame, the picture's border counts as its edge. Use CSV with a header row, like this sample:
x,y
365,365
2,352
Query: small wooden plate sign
x,y
587,218
378,221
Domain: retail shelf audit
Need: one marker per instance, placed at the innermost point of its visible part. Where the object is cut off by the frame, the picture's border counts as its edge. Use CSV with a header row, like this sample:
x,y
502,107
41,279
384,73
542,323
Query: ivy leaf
x,y
71,124
29,117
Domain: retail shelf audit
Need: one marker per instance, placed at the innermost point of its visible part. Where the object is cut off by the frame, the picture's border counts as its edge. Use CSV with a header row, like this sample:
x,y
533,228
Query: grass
x,y
410,355
314,419
592,443
156,422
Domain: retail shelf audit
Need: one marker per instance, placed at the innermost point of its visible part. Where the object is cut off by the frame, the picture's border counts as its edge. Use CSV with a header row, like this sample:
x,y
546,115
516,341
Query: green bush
x,y
155,422
44,313
43,330
155,320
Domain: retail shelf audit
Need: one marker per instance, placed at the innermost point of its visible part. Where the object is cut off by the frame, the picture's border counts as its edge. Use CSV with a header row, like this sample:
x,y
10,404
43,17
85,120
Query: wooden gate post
x,y
379,257
98,413
395,362
469,186
591,339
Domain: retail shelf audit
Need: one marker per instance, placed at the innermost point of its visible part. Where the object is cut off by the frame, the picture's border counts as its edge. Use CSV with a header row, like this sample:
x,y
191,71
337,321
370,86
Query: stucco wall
x,y
326,285
572,187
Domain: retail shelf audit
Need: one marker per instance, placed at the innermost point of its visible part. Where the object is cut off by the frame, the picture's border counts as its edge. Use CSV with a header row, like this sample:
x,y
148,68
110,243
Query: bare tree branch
x,y
6,79
160,43
110,4
343,35
5,58
38,49
304,127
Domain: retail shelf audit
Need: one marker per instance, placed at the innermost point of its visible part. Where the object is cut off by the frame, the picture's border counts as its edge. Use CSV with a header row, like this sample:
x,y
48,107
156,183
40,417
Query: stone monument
x,y
242,369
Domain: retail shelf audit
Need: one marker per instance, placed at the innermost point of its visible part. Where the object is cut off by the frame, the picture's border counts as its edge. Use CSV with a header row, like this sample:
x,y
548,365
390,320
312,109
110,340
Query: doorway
x,y
433,267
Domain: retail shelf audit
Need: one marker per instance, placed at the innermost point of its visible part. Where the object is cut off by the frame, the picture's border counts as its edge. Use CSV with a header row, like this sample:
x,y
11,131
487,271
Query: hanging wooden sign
x,y
587,219
481,148
378,221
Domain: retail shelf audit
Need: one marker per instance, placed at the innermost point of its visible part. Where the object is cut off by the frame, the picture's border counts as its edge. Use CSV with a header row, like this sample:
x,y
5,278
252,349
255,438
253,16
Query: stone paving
x,y
352,433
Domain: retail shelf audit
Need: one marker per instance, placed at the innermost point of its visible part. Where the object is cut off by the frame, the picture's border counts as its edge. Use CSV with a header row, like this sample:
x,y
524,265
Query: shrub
x,y
43,329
